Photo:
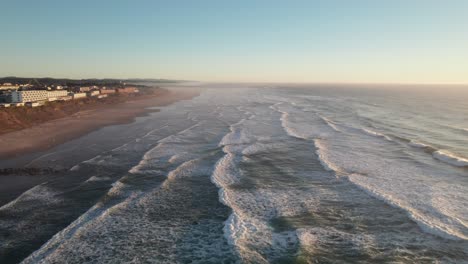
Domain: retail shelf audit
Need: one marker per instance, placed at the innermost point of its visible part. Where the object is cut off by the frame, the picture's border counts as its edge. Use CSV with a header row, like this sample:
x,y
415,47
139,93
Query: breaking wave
x,y
450,158
376,134
329,123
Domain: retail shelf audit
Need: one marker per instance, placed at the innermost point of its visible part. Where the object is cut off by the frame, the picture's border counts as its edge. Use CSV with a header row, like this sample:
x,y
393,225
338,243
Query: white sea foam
x,y
174,158
322,155
330,123
118,188
376,134
225,173
457,128
175,138
259,148
319,238
93,160
418,144
295,124
285,123
450,158
151,132
97,179
183,170
38,194
75,168
236,136
37,161
149,156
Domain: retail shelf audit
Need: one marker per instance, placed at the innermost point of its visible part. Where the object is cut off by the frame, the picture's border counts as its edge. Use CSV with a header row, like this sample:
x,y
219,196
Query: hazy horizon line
x,y
248,82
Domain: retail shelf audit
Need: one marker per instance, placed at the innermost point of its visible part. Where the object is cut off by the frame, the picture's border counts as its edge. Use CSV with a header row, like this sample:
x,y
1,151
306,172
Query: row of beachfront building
x,y
34,98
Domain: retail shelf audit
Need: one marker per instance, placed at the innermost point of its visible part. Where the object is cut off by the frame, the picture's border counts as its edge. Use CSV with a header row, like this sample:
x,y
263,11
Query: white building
x,y
79,95
28,96
56,94
93,93
84,89
8,86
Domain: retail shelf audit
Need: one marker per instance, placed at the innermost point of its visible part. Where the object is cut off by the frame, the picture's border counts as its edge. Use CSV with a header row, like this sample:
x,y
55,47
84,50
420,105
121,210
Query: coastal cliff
x,y
18,118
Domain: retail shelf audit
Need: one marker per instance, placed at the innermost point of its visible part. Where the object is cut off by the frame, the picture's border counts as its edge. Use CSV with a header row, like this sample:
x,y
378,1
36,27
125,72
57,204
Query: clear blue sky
x,y
424,41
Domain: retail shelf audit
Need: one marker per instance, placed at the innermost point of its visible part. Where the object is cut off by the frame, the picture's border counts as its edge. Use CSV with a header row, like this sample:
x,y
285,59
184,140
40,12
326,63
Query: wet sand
x,y
55,132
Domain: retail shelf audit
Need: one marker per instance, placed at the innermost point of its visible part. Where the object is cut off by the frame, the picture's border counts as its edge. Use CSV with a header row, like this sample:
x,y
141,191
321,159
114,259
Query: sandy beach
x,y
52,133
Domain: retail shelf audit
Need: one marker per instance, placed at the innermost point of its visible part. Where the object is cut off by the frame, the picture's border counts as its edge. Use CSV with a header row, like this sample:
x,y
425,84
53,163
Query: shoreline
x,y
55,132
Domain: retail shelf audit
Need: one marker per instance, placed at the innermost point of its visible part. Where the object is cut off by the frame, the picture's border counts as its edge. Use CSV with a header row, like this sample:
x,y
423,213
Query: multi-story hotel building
x,y
28,96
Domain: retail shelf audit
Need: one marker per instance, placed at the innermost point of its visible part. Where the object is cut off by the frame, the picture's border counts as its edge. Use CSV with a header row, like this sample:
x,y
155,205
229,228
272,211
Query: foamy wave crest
x,y
136,169
426,147
418,144
97,179
312,239
463,130
302,125
322,155
236,136
226,172
93,160
28,200
75,168
149,154
375,134
118,188
259,148
329,123
183,170
285,123
450,158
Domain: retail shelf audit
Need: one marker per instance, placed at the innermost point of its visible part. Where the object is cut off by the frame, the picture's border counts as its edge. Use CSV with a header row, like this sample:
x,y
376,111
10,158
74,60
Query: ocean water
x,y
317,174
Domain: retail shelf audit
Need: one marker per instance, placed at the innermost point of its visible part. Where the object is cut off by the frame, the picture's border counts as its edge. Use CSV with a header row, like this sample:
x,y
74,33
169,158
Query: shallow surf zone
x,y
179,221
167,211
254,201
